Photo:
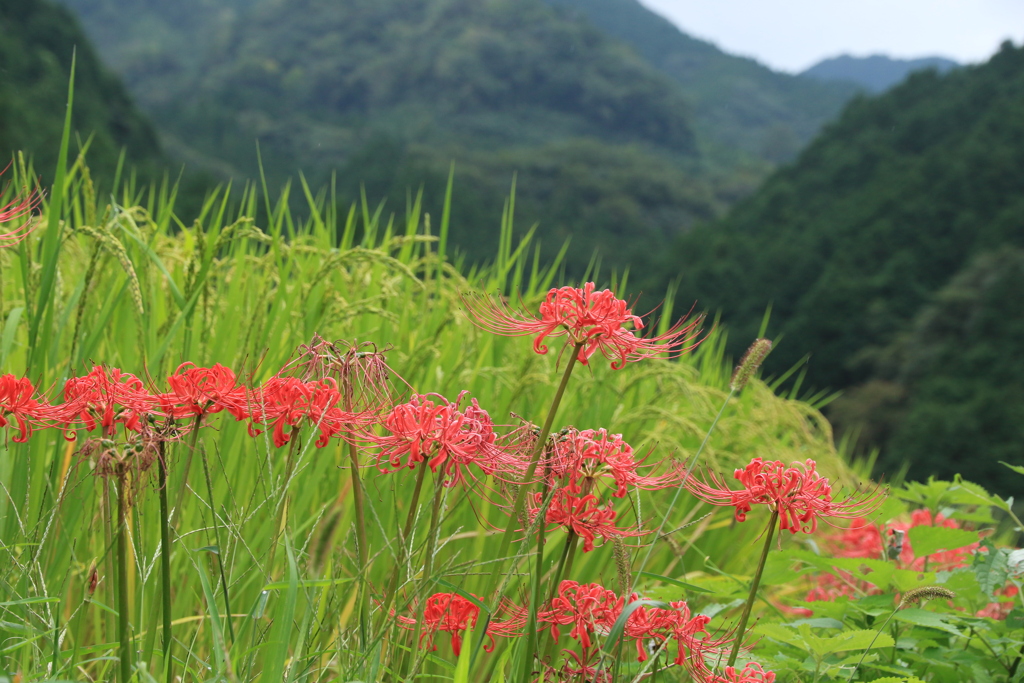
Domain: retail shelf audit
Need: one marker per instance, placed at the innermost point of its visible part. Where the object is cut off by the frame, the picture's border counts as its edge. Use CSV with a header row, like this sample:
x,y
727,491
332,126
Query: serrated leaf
x,y
820,622
921,617
782,634
928,540
992,568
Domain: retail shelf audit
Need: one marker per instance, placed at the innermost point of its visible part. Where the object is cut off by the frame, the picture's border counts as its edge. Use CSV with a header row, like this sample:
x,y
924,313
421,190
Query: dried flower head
x,y
598,320
799,494
17,401
361,371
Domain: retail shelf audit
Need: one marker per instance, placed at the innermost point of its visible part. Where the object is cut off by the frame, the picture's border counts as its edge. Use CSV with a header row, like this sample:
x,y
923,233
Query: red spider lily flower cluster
x,y
14,210
17,402
288,402
197,391
452,613
580,513
106,397
598,320
751,673
592,610
584,457
445,436
799,494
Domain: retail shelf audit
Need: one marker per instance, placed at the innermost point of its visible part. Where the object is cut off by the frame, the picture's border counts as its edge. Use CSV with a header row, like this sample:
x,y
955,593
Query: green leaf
x,y
992,568
783,635
927,540
852,640
1019,469
922,617
676,582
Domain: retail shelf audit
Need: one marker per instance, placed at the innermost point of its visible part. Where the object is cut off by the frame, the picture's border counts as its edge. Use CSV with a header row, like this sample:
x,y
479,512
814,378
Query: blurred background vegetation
x,y
884,229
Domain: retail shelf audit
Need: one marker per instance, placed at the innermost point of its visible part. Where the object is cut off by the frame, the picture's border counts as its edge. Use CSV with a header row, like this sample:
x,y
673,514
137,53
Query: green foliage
x,y
857,247
37,39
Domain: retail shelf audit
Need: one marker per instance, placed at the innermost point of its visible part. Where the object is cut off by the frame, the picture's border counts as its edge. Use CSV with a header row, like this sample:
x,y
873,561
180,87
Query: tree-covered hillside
x,y
742,109
37,39
610,147
875,225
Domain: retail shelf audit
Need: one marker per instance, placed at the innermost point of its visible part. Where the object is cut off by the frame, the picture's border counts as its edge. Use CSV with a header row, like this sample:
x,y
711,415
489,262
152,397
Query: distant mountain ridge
x,y
739,104
876,73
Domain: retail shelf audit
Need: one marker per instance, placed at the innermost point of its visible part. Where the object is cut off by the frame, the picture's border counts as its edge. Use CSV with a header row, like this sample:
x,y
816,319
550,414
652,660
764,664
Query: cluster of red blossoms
x,y
800,495
868,540
589,611
597,320
107,397
576,463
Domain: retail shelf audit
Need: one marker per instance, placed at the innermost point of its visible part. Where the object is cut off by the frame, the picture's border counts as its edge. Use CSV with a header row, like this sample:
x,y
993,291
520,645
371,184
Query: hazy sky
x,y
791,35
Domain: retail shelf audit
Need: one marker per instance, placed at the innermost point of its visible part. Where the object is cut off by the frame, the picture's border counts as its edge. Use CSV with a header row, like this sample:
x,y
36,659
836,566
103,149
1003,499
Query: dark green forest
x,y
608,146
887,252
37,40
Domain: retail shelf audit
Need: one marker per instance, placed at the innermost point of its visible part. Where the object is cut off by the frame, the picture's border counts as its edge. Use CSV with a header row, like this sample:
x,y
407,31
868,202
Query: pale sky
x,y
791,35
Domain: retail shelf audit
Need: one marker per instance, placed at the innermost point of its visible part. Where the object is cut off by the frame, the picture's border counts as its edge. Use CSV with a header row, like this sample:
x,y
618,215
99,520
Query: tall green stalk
x,y
428,568
517,505
403,549
220,548
682,485
282,506
124,644
772,523
362,548
165,561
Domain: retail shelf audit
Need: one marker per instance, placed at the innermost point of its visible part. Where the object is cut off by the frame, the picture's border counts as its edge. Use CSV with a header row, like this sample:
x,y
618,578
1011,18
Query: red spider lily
x,y
288,401
428,428
16,400
675,623
581,669
453,614
201,391
800,494
597,319
12,211
588,608
591,454
752,673
107,396
581,514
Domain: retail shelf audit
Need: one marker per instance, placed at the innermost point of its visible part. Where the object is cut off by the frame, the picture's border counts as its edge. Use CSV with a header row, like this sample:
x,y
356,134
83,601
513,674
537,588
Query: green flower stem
x,y
165,561
428,567
682,485
520,499
362,549
220,548
772,523
403,550
176,512
282,505
125,647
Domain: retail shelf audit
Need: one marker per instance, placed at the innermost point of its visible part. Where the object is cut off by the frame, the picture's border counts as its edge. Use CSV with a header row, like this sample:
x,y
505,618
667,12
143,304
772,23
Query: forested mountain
x,y
613,148
37,39
887,249
741,108
876,73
